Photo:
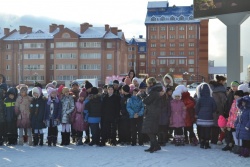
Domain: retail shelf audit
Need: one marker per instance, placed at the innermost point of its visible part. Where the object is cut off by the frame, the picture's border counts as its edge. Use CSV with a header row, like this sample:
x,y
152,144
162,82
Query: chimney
x,y
22,29
29,30
114,30
141,36
52,28
84,27
106,27
6,31
61,27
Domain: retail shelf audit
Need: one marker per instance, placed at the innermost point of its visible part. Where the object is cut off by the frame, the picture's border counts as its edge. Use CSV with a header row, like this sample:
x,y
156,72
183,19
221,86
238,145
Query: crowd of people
x,y
128,113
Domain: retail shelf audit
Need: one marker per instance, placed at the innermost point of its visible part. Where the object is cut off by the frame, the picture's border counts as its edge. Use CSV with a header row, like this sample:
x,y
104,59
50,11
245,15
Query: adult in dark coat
x,y
230,97
152,112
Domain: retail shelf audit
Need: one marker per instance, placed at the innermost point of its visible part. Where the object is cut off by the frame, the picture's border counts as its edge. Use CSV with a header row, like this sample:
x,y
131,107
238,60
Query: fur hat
x,y
4,86
50,90
222,122
64,90
239,93
181,88
37,90
126,88
88,85
143,85
116,82
127,80
176,93
83,93
94,91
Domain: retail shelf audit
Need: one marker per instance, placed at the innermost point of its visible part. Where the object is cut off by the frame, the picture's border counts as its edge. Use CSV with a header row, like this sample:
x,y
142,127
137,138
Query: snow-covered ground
x,y
113,156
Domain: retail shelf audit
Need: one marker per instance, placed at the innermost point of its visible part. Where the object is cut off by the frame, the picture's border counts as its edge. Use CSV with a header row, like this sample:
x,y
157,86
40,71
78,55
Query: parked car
x,y
193,85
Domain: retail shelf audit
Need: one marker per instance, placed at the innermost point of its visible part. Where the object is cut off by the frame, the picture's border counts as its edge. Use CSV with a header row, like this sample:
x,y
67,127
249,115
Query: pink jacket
x,y
77,117
22,109
233,113
178,114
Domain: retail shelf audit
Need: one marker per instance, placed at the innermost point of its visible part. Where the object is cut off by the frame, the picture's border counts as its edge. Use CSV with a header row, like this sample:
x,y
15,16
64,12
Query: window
x,y
162,53
8,78
52,77
109,56
162,69
130,64
172,18
181,18
163,28
191,28
153,70
153,45
191,36
142,48
51,56
181,44
191,53
66,44
66,77
7,67
181,36
8,57
172,61
142,56
35,77
181,28
51,45
66,67
65,35
90,77
90,56
142,64
132,56
33,45
171,28
90,67
163,37
109,45
33,67
153,19
181,61
172,36
153,28
162,18
163,61
191,61
20,46
90,44
52,67
109,67
33,56
172,45
172,53
8,46
153,53
181,53
191,70
153,36
191,44
66,56
163,45
153,61
131,49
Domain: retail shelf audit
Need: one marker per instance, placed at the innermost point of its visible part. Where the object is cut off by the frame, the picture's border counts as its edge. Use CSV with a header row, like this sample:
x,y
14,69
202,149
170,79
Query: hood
x,y
4,79
203,90
13,91
157,87
185,95
171,79
4,86
217,87
245,99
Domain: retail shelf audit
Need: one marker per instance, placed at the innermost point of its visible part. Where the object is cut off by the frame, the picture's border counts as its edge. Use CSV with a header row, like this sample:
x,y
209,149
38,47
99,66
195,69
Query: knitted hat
x,y
50,90
64,90
4,86
222,122
126,88
59,90
83,93
116,82
143,85
37,90
181,88
235,83
127,80
49,85
239,93
94,91
176,93
74,83
88,85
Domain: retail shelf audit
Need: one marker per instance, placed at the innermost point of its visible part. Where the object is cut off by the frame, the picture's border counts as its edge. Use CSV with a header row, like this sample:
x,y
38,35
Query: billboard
x,y
209,8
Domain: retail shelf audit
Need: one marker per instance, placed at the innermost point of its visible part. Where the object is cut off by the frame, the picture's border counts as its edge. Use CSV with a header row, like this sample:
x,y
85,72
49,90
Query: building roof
x,y
157,4
132,41
174,14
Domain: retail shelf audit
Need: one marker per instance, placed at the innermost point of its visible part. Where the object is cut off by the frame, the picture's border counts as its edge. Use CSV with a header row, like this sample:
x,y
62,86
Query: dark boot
x,y
207,146
236,149
187,140
177,140
54,140
194,141
182,140
67,138
63,139
151,148
228,147
202,143
49,138
41,140
35,139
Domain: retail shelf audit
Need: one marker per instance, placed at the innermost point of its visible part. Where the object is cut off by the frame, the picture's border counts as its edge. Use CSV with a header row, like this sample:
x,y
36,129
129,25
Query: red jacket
x,y
190,105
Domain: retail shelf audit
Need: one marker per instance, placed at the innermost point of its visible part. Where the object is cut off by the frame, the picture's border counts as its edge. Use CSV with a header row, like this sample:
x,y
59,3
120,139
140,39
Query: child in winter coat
x,y
204,108
22,109
2,116
177,118
230,130
242,125
67,108
135,109
52,115
94,110
37,110
78,118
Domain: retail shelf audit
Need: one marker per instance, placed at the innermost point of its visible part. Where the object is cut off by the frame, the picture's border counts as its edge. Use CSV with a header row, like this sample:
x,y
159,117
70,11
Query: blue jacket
x,y
56,112
135,105
93,109
243,119
37,110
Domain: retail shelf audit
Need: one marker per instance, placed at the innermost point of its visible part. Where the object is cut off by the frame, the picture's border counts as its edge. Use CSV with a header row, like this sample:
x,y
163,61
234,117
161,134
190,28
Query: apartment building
x,y
176,42
62,53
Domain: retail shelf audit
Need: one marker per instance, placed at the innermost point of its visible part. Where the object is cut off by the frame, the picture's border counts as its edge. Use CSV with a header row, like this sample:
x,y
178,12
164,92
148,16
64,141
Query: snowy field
x,y
113,156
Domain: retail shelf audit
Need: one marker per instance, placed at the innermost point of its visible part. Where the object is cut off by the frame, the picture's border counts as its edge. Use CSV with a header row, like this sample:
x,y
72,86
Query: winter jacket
x,y
77,117
94,109
178,114
123,104
220,97
152,109
37,111
228,104
135,105
233,113
67,108
189,102
205,106
2,111
53,111
22,109
75,94
165,110
243,119
111,108
171,85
